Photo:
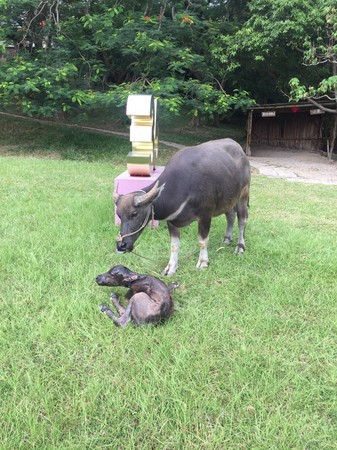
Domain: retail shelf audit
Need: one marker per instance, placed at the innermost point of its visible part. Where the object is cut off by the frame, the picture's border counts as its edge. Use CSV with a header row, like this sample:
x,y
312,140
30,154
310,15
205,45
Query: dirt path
x,y
293,165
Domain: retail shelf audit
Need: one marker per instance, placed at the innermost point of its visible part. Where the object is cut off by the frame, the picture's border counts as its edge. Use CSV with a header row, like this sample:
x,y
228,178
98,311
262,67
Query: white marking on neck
x,y
176,213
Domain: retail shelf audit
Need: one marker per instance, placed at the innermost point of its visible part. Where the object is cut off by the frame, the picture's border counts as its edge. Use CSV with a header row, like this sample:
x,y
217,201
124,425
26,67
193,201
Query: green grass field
x,y
247,361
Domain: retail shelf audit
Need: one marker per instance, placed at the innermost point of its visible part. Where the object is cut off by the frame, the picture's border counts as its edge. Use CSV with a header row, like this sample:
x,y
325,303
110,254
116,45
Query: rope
x,y
120,236
159,261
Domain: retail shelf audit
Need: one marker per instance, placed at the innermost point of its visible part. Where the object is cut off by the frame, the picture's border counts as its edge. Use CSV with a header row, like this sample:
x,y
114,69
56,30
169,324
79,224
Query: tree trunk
x,y
332,138
216,120
334,126
196,121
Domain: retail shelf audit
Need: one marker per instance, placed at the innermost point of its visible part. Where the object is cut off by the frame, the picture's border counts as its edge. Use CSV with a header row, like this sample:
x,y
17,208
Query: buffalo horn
x,y
147,197
115,195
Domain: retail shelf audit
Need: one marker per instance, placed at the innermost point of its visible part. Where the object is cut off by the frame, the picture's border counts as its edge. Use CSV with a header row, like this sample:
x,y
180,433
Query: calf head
x,y
134,211
117,276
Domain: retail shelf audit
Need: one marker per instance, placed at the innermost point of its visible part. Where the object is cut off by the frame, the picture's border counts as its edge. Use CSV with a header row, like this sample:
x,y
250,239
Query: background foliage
x,y
208,58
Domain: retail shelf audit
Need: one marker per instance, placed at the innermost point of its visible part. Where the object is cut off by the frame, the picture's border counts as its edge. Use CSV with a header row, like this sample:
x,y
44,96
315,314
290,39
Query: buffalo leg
x,y
172,265
242,213
230,216
203,232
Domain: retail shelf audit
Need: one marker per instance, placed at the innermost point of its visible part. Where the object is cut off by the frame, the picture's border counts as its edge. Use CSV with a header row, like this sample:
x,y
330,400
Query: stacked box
x,y
143,134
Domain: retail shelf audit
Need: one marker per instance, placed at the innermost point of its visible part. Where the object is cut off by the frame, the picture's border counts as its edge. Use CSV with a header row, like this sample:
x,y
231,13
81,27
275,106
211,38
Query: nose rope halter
x,y
120,236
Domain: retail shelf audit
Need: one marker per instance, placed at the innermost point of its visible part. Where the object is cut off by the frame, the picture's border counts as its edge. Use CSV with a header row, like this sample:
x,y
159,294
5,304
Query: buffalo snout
x,y
123,247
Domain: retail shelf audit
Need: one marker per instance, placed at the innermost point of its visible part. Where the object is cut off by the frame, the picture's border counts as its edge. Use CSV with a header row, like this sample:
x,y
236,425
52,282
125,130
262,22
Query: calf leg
x,y
230,216
203,232
121,321
242,213
117,305
172,265
108,312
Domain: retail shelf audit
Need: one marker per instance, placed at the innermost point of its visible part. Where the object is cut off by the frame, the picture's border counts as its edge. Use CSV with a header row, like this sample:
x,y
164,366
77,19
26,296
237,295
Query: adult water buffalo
x,y
198,183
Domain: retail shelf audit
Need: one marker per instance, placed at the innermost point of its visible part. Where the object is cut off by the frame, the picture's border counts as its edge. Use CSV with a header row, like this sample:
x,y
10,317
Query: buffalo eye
x,y
134,213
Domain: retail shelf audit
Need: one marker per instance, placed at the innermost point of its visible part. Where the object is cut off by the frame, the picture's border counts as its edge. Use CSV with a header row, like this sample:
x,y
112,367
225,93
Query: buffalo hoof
x,y
239,250
103,308
169,271
227,241
202,265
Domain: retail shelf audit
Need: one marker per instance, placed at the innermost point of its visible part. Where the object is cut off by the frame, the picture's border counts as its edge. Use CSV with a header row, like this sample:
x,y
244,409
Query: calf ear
x,y
149,197
132,278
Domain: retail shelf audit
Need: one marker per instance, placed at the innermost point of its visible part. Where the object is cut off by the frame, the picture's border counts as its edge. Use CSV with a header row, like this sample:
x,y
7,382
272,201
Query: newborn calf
x,y
150,299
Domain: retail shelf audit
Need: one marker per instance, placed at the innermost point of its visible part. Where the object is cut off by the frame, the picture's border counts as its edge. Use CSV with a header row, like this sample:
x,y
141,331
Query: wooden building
x,y
299,126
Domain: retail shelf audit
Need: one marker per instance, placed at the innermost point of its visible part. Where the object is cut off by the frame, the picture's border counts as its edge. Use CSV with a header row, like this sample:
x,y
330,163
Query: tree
x,y
96,53
321,49
263,50
286,40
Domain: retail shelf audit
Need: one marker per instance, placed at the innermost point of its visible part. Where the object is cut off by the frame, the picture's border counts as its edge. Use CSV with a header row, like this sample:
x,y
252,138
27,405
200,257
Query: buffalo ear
x,y
148,197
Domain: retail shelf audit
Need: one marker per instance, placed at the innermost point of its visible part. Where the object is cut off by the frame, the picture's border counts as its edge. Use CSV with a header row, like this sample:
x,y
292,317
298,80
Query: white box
x,y
139,105
142,134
